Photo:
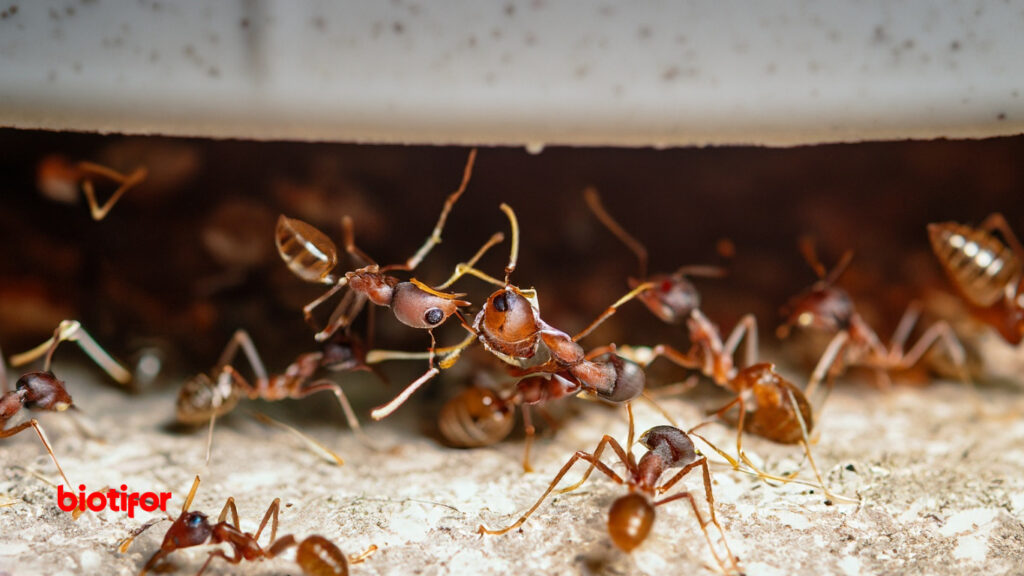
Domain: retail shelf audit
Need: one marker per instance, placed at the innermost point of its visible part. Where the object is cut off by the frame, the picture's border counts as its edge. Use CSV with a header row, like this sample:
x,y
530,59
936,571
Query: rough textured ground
x,y
940,478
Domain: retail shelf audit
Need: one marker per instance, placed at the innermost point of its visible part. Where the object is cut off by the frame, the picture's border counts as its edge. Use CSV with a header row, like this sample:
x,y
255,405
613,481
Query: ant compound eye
x,y
195,520
501,302
434,316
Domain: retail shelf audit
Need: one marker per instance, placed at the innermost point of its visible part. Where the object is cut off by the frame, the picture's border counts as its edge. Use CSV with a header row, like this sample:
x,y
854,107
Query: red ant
x,y
204,398
674,299
631,517
510,327
316,555
42,390
57,178
312,256
827,307
985,271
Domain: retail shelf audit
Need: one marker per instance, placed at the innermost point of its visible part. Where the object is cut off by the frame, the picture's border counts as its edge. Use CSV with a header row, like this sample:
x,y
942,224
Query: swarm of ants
x,y
537,364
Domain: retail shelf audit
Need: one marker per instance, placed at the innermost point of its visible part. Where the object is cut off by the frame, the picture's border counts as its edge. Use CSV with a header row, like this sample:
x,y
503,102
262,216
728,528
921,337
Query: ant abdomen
x,y
44,391
611,378
630,520
977,262
318,556
308,252
476,417
201,398
775,416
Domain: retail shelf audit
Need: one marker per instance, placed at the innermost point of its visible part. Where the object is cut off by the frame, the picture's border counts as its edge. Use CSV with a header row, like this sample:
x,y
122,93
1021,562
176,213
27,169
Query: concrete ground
x,y
939,475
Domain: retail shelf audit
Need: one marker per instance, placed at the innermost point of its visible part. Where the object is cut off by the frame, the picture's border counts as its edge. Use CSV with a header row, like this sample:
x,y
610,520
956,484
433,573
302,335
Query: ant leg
x,y
242,339
828,358
449,354
230,506
3,374
346,407
346,311
674,356
593,200
746,326
471,263
125,183
236,559
903,329
226,371
435,237
309,440
807,445
462,268
996,222
595,462
126,542
307,310
385,410
72,331
271,514
704,528
612,309
349,235
33,423
561,473
701,271
362,556
530,431
936,333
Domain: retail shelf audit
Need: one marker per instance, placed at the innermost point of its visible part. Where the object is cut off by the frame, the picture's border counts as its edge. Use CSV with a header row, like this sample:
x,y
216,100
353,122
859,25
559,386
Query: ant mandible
x,y
985,271
57,177
312,256
41,390
827,307
206,397
509,326
673,299
631,517
316,555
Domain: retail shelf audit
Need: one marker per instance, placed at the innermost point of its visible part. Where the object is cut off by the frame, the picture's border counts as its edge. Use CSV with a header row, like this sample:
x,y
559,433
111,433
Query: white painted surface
x,y
522,72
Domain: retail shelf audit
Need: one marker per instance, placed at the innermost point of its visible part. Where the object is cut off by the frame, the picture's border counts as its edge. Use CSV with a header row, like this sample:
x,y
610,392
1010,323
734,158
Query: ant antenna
x,y
191,495
514,255
840,267
435,236
594,202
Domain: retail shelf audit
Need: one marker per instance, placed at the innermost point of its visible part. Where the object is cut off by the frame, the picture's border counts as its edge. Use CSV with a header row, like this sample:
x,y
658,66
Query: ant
x,y
42,390
206,397
57,178
985,271
673,299
509,326
631,517
479,416
312,256
316,555
826,307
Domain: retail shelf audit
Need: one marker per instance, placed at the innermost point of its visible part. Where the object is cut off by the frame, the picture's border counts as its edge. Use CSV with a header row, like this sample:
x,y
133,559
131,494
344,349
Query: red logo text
x,y
117,501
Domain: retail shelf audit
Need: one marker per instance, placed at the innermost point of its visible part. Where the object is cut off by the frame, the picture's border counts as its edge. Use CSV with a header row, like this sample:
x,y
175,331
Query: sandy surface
x,y
940,479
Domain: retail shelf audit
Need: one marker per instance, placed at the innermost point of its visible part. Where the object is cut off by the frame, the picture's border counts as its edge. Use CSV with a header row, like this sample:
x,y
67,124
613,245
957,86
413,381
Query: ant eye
x,y
195,520
501,302
434,316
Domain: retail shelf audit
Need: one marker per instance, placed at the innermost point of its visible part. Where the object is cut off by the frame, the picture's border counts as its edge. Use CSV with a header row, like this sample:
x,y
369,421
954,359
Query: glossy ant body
x,y
631,517
510,327
316,555
826,307
985,271
41,390
312,256
203,398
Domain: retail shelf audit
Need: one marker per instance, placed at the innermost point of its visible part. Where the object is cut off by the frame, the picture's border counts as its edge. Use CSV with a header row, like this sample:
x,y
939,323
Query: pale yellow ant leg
x,y
447,352
835,347
349,238
494,240
242,339
33,423
226,371
630,435
72,331
561,473
612,309
328,454
903,329
346,407
362,556
807,446
385,410
271,514
229,506
746,326
513,256
530,432
100,212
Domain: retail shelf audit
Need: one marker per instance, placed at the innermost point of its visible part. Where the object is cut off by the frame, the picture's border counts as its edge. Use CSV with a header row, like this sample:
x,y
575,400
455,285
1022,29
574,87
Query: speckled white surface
x,y
518,72
941,484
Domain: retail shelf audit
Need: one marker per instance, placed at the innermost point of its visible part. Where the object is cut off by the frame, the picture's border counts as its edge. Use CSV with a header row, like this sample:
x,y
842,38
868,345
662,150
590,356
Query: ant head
x,y
630,520
200,398
44,391
672,297
670,443
190,529
419,306
309,254
507,319
823,306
